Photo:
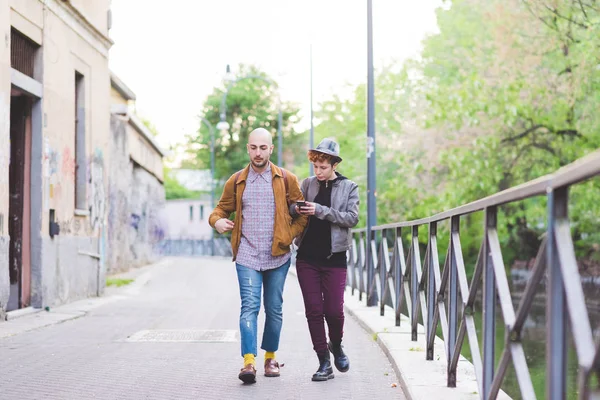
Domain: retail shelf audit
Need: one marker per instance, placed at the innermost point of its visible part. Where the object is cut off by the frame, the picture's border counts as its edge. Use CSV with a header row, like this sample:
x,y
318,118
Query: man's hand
x,y
224,225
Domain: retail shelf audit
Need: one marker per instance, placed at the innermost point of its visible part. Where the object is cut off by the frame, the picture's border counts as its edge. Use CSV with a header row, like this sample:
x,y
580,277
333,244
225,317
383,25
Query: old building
x,y
56,156
136,194
188,218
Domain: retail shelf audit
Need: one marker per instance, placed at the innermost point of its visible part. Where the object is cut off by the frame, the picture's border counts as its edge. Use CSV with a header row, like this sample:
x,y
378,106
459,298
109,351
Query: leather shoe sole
x,y
247,377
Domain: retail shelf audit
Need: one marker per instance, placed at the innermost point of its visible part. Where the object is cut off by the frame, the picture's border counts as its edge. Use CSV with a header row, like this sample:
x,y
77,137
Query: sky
x,y
172,54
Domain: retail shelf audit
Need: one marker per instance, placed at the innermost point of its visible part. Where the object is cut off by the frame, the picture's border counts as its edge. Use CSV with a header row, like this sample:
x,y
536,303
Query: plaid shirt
x,y
258,216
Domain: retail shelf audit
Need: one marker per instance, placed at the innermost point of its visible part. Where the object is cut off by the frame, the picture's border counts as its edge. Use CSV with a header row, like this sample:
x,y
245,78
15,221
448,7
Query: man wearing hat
x,y
332,208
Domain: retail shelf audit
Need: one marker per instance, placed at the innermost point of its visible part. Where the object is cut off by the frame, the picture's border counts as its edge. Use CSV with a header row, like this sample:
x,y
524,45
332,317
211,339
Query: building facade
x,y
56,165
188,219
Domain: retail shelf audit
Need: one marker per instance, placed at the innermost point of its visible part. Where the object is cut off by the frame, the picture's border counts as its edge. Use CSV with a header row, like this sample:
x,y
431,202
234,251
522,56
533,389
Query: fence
x,y
390,278
193,247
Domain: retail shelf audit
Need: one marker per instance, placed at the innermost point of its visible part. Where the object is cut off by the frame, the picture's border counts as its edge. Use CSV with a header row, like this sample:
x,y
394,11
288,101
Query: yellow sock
x,y
249,359
270,354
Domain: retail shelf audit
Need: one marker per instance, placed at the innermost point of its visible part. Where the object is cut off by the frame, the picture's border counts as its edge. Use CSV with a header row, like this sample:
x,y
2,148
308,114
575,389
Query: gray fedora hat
x,y
329,146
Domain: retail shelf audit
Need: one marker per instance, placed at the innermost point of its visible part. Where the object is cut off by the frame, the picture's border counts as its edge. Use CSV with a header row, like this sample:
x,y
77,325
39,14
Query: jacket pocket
x,y
285,233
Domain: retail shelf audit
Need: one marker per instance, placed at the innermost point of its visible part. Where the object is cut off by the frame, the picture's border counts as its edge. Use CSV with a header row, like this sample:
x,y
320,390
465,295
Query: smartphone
x,y
301,204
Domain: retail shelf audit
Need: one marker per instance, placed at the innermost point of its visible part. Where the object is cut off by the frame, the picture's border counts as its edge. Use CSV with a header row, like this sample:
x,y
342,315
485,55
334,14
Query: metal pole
x,y
212,179
311,144
371,177
279,138
212,185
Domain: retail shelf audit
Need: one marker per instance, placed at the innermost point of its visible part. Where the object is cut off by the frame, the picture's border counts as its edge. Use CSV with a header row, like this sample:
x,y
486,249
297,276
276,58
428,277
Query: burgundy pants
x,y
323,292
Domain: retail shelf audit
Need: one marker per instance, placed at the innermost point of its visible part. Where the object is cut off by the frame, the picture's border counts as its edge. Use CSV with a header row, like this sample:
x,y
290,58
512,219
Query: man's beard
x,y
261,163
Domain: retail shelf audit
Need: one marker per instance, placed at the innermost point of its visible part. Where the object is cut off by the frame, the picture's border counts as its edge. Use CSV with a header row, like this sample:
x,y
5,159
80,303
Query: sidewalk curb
x,y
23,312
397,369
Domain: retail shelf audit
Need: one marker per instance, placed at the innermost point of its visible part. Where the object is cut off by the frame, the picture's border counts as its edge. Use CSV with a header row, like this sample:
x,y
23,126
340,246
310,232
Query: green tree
x,y
175,190
251,103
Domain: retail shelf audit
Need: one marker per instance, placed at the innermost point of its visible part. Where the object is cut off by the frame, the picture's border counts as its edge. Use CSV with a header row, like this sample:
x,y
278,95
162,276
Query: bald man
x,y
262,232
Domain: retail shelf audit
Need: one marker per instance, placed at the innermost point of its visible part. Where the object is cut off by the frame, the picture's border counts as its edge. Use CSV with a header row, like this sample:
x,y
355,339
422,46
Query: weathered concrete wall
x,y
147,201
118,193
71,270
136,198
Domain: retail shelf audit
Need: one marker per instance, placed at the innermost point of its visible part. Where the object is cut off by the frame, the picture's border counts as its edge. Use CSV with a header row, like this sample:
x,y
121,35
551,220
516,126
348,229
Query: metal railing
x,y
434,295
193,247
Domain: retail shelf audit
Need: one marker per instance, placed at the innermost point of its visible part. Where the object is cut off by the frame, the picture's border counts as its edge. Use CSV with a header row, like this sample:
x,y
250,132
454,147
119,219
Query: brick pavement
x,y
90,357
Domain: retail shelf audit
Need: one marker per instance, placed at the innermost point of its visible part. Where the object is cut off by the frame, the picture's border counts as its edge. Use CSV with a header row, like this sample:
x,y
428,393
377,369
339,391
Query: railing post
x,y
353,259
382,271
431,300
556,349
414,281
398,276
371,282
489,305
362,266
452,301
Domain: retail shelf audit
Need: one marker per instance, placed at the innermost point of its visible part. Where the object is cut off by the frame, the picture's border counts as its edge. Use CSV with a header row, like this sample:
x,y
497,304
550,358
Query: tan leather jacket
x,y
285,228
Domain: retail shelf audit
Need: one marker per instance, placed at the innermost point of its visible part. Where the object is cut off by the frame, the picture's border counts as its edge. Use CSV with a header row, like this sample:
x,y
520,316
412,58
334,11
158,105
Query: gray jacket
x,y
343,213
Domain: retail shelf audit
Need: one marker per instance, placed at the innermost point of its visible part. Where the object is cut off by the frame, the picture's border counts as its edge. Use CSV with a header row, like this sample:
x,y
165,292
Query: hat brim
x,y
335,156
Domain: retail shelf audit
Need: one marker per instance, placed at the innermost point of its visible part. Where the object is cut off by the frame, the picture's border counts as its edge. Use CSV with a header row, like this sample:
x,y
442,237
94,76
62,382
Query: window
x,y
201,212
191,213
22,53
79,158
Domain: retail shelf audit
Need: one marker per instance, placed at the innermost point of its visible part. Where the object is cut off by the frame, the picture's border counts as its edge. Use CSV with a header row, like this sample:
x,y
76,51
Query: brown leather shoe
x,y
271,368
248,374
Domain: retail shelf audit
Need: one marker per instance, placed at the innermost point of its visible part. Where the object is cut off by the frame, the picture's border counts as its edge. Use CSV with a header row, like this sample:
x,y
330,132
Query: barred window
x,y
22,52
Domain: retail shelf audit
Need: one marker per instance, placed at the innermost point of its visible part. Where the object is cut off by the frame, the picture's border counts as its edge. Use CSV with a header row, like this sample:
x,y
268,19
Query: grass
x,y
118,282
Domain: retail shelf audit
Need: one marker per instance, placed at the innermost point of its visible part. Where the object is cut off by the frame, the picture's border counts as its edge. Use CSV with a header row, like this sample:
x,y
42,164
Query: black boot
x,y
340,359
325,372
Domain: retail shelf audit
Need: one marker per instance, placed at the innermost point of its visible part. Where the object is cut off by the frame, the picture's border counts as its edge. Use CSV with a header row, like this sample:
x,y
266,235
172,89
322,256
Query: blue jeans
x,y
251,284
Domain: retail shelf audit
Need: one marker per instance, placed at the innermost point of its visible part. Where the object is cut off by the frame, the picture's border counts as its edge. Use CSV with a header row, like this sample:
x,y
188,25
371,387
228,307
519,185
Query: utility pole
x,y
371,173
311,144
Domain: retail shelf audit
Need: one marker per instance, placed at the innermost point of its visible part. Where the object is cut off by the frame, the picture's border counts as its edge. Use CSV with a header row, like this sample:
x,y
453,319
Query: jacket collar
x,y
275,171
335,182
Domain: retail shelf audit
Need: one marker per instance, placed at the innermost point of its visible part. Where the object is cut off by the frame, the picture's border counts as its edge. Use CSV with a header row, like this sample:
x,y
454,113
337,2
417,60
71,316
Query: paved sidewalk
x,y
98,350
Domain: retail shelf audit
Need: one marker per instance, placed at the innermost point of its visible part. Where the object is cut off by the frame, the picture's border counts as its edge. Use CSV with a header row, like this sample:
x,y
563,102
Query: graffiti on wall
x,y
55,187
52,182
97,197
72,226
68,163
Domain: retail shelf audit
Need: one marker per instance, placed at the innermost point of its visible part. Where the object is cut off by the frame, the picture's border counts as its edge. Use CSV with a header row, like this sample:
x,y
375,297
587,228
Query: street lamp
x,y
223,125
212,178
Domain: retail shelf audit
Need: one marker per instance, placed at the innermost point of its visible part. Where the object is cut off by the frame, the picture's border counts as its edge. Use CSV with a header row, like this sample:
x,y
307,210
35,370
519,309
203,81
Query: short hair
x,y
317,156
